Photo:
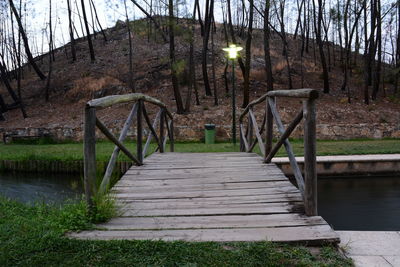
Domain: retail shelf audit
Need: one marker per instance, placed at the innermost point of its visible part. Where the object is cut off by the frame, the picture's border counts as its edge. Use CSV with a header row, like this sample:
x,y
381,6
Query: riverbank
x,y
68,158
348,165
34,236
74,151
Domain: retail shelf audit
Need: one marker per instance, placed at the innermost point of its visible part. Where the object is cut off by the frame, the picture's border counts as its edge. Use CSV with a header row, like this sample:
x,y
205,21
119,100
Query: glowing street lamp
x,y
233,53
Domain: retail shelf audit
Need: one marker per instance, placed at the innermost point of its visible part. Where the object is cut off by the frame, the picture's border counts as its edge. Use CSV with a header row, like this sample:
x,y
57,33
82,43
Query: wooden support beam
x,y
110,136
162,137
284,136
139,136
288,147
257,132
89,147
269,124
113,159
152,131
310,172
244,145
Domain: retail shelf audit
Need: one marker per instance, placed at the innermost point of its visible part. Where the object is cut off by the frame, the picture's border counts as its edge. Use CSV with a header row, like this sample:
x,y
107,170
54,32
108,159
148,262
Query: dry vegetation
x,y
75,83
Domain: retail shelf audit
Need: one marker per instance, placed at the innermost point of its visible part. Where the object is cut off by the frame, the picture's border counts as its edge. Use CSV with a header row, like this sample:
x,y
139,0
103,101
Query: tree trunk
x,y
177,94
26,43
71,31
267,50
207,26
98,21
246,83
213,67
318,33
131,81
91,49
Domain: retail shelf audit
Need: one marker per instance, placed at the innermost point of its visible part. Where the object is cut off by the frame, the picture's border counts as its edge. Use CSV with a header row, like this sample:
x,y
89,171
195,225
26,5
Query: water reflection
x,y
48,188
362,203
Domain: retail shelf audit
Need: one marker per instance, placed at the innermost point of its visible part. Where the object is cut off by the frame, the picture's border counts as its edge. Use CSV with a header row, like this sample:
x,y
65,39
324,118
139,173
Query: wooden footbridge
x,y
209,196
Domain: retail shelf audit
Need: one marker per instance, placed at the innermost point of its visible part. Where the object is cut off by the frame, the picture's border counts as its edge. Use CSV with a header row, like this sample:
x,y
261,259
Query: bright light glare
x,y
232,51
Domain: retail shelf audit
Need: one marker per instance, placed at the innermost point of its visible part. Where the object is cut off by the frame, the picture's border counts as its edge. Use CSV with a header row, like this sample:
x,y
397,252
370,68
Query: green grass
x,y
74,151
34,236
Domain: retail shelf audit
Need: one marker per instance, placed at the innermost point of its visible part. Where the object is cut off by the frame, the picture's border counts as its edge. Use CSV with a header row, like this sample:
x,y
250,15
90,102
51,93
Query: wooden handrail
x,y
111,100
163,119
307,185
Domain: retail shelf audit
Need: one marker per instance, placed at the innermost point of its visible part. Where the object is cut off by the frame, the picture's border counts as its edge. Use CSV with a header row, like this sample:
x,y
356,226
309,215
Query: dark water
x,y
32,188
361,203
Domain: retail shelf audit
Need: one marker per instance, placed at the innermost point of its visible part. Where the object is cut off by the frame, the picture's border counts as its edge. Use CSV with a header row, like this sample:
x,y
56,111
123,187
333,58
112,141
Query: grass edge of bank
x,y
35,235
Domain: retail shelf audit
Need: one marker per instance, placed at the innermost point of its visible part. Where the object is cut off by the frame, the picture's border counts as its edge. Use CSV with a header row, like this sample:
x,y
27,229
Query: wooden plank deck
x,y
210,197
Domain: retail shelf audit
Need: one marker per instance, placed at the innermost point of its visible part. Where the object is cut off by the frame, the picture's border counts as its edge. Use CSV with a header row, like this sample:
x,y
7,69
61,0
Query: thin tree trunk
x,y
213,68
47,96
246,83
98,21
71,31
26,43
130,58
91,49
177,94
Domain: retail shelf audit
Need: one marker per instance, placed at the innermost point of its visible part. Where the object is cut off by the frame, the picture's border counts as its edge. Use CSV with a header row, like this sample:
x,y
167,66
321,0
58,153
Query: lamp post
x,y
232,51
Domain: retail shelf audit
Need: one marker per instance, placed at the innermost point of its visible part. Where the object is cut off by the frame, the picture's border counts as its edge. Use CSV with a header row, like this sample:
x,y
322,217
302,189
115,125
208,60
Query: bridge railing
x,y
307,185
163,121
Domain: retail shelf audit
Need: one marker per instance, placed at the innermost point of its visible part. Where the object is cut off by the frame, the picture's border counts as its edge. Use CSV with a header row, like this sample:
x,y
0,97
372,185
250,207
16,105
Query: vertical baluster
x,y
242,146
162,121
269,124
250,131
310,172
90,156
171,139
139,139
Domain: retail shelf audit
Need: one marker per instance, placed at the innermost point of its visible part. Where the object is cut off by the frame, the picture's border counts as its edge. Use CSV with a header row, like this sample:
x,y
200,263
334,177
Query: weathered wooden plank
x,y
211,222
308,234
205,193
220,200
131,181
196,208
210,197
195,187
183,179
270,208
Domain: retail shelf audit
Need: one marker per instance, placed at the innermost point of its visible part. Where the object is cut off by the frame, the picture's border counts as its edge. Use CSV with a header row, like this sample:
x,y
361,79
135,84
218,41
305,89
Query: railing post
x,y
90,155
139,139
250,131
269,124
162,120
310,172
242,146
172,141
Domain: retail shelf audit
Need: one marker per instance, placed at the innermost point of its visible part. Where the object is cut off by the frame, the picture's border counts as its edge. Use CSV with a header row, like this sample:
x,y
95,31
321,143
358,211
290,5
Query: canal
x,y
346,203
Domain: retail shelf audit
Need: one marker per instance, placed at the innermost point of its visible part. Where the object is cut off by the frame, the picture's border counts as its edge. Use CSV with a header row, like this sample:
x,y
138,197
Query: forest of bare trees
x,y
353,35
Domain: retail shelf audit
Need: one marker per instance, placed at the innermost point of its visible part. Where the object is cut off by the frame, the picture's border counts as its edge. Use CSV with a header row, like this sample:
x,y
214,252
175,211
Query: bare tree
x,y
26,43
89,39
175,84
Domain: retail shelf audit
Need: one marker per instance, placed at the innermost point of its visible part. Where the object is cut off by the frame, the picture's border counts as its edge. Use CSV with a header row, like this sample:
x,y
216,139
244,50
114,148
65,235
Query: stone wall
x,y
193,133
